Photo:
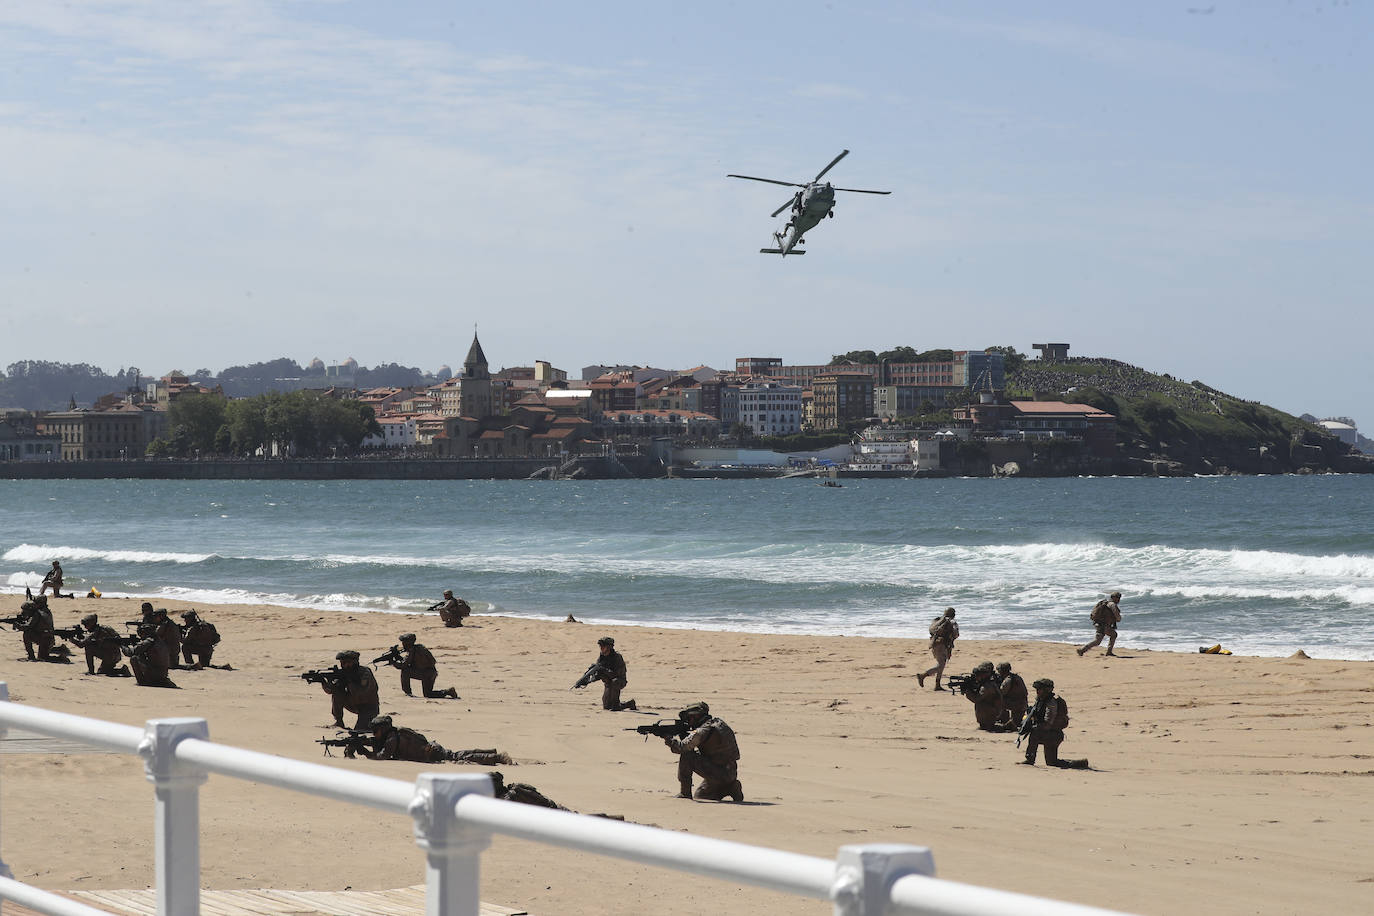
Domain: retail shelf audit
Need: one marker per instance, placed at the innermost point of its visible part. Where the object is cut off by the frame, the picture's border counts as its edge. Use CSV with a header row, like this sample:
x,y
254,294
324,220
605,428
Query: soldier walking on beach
x,y
943,632
709,750
198,641
1106,614
418,662
392,743
355,691
452,610
1045,725
1015,697
101,644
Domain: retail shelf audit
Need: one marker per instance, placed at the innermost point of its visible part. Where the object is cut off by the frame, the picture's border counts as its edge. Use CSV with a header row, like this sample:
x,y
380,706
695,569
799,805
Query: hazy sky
x,y
1187,186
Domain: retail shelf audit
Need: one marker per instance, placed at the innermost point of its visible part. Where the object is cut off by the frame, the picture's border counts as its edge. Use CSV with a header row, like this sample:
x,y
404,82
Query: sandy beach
x,y
1218,784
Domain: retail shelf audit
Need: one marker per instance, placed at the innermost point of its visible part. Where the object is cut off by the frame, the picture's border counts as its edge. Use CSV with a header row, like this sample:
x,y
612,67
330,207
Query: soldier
x,y
392,743
943,632
52,580
1045,725
1106,614
418,662
986,698
355,691
35,622
101,644
521,792
1014,695
613,677
452,610
198,641
169,634
710,751
149,659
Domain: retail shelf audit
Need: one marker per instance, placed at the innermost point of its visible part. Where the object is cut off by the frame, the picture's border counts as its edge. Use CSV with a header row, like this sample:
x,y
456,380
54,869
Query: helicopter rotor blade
x,y
790,184
842,154
860,191
790,202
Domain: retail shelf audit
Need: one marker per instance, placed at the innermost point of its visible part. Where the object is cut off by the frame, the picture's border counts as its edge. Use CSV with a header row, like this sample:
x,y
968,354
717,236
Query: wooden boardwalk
x,y
406,901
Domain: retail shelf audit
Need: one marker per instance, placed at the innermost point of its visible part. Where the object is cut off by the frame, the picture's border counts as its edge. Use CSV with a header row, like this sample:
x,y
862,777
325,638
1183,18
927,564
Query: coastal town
x,y
900,413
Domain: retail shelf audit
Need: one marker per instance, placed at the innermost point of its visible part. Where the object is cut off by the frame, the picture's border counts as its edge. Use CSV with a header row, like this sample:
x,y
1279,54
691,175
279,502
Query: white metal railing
x,y
455,817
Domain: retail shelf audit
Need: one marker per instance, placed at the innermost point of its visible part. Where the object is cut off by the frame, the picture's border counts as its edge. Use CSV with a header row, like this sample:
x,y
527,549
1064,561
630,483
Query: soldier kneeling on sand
x,y
149,659
198,641
418,662
1045,724
101,644
392,743
982,691
709,750
35,622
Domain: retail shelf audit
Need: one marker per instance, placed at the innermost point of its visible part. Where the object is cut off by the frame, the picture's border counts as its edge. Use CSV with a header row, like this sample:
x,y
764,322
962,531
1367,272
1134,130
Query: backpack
x,y
213,633
1101,613
1064,708
938,627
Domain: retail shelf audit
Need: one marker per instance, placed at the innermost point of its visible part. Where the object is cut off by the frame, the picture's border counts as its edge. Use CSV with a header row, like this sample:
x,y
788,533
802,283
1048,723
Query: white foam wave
x,y
45,554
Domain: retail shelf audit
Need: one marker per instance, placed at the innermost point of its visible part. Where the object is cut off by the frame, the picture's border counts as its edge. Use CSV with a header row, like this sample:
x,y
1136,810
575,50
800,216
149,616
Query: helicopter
x,y
813,203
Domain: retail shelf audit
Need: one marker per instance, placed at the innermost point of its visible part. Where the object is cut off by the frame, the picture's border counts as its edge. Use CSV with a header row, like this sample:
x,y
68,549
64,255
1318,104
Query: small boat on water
x,y
830,483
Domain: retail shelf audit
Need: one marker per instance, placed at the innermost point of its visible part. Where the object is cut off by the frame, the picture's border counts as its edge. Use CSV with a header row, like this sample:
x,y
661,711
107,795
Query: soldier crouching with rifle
x,y
351,687
415,661
102,645
391,743
610,669
1044,725
708,749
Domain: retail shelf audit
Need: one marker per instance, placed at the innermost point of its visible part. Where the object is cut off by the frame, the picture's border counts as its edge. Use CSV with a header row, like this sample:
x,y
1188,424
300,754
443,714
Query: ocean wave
x,y
45,554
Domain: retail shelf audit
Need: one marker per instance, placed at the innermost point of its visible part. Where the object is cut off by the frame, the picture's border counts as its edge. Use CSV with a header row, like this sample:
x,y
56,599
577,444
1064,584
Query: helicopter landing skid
x,y
780,251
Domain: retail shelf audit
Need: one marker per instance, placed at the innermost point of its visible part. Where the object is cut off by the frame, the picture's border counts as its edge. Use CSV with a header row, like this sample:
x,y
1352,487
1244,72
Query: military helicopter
x,y
813,203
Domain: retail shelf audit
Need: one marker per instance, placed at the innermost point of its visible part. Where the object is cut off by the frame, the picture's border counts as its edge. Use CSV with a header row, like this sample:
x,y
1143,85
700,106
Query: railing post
x,y
453,852
864,875
4,698
177,787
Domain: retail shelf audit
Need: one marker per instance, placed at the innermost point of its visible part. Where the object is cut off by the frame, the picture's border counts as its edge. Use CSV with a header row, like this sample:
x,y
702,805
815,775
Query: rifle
x,y
663,728
436,605
960,683
68,633
391,656
13,621
330,676
1026,725
351,744
595,672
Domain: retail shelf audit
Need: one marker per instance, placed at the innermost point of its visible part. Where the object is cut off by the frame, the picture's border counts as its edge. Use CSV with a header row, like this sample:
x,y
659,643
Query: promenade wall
x,y
308,469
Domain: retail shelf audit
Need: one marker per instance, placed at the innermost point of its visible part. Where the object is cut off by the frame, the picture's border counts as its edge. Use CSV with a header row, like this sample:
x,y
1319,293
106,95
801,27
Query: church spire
x,y
475,366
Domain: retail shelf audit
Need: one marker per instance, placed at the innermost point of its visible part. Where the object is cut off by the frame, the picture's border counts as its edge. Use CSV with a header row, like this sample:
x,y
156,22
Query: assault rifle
x,y
595,672
664,728
331,676
1026,723
69,633
138,623
960,683
436,605
13,621
392,656
351,744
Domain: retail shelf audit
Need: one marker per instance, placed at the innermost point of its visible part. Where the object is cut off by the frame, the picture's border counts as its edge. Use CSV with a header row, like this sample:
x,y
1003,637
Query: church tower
x,y
476,383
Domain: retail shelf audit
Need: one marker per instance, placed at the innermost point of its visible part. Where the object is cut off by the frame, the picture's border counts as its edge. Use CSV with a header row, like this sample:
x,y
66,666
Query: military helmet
x,y
1004,668
606,641
406,637
380,722
699,708
346,655
1116,596
949,612
89,620
984,667
160,612
146,607
448,593
1044,682
189,615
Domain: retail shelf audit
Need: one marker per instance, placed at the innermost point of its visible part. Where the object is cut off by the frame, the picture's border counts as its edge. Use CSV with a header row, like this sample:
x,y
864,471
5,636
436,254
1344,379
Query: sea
x,y
1263,565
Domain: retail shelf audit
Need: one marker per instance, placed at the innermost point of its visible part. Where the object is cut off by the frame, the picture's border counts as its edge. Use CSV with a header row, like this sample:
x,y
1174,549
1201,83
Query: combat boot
x,y
684,789
735,792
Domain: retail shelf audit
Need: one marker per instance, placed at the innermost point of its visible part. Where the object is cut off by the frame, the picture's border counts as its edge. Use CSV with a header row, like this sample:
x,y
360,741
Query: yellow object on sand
x,y
1214,650
93,593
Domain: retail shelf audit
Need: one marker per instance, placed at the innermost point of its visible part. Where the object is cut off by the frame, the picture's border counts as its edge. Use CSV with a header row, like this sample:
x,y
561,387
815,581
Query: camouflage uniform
x,y
943,632
1106,614
150,661
168,634
198,641
35,620
1014,695
710,751
986,697
618,678
418,662
391,743
101,643
1047,720
453,610
356,693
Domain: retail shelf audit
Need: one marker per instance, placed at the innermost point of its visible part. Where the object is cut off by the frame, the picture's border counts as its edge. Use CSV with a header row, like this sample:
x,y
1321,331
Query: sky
x,y
1183,186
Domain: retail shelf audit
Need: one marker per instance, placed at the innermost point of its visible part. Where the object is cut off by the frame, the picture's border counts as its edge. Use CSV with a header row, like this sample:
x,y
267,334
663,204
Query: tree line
x,y
300,423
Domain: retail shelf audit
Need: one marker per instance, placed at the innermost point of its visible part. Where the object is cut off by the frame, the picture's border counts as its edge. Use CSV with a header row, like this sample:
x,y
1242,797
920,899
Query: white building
x,y
397,432
771,408
1343,429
